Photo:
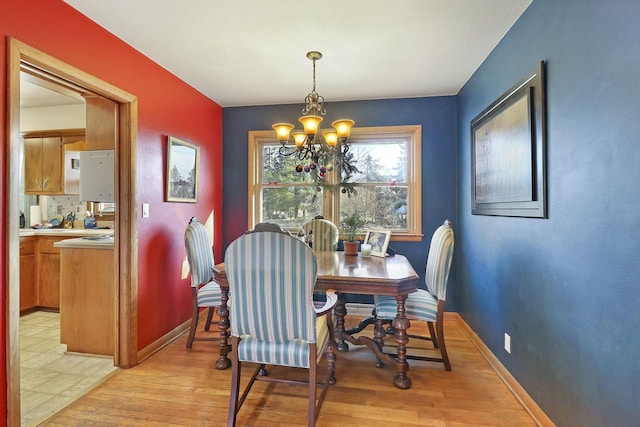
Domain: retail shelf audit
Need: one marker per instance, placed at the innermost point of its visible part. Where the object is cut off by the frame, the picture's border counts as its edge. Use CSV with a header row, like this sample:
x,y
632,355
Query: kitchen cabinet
x,y
48,272
43,163
102,123
40,267
87,306
28,295
47,164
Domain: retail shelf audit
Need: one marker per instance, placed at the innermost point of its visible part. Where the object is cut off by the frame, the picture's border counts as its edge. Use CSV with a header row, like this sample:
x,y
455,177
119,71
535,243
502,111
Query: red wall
x,y
166,106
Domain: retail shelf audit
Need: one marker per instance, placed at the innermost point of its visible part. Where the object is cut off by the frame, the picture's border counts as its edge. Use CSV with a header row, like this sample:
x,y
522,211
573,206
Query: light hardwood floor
x,y
181,387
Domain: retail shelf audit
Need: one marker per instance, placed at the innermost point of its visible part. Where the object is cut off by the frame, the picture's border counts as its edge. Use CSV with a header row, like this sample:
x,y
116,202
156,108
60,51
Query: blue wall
x,y
566,288
437,117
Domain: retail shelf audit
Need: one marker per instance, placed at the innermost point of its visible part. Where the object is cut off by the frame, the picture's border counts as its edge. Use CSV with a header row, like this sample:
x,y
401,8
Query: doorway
x,y
125,352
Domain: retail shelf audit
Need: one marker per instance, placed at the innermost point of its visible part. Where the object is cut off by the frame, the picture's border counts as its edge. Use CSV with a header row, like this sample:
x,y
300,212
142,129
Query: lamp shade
x,y
343,127
298,138
310,123
283,130
331,137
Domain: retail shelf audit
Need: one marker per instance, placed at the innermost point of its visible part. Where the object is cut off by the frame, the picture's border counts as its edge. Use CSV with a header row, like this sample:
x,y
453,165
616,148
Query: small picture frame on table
x,y
379,241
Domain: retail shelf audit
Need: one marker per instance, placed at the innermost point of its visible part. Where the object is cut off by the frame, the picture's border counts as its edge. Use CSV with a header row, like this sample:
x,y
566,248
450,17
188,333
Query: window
x,y
388,184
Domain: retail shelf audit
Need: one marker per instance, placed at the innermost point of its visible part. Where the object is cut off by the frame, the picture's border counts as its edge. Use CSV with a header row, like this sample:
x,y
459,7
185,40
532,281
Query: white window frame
x,y
411,133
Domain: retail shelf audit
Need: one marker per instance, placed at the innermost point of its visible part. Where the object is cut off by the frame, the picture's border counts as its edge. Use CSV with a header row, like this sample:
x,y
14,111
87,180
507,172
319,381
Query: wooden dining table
x,y
350,274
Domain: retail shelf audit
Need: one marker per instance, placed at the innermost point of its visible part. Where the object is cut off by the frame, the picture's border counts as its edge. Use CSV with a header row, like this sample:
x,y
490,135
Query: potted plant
x,y
352,224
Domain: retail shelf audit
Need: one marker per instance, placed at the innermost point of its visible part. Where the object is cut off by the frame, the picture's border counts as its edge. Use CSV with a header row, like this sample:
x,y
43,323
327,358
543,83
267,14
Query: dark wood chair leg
x,y
313,384
209,318
332,350
378,337
441,342
194,320
235,386
432,332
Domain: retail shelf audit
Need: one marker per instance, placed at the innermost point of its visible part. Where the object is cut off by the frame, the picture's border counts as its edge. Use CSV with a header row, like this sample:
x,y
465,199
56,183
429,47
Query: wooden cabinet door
x,y
49,281
28,294
48,273
102,123
32,165
52,161
43,173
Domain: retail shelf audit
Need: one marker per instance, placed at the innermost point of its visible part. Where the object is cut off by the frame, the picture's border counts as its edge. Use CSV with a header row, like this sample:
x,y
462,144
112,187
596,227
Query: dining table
x,y
350,274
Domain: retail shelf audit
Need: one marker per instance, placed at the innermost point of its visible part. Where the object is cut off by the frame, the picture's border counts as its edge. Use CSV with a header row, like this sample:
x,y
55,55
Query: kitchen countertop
x,y
71,232
82,243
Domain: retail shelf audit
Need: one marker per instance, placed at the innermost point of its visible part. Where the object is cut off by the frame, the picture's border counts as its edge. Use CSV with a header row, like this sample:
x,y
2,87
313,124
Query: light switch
x,y
145,210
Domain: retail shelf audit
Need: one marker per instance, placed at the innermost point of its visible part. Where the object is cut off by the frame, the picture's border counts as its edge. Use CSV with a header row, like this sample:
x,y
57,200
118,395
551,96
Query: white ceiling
x,y
253,52
34,95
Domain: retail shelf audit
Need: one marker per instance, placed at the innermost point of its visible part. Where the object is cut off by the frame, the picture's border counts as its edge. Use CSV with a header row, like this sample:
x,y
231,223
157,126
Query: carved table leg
x,y
340,311
223,361
401,324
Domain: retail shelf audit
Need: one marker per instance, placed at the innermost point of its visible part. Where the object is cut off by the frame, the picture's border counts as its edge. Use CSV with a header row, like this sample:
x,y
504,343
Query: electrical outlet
x,y
507,343
145,210
59,209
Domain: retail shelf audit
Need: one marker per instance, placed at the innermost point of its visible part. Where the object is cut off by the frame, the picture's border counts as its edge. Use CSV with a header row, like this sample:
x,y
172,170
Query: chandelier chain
x,y
314,75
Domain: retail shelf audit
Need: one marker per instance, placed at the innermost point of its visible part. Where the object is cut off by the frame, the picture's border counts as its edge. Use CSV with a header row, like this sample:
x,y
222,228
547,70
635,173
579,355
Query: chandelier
x,y
318,151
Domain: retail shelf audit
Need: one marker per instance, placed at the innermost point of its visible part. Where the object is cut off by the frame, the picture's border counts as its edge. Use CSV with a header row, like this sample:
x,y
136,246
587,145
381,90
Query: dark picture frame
x,y
183,162
508,138
379,241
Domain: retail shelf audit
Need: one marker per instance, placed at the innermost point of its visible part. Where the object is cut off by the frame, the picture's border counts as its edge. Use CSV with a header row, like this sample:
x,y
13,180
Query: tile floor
x,y
51,379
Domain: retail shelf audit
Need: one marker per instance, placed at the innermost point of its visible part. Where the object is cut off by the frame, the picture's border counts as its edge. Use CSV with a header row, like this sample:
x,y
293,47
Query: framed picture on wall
x,y
508,152
379,241
183,159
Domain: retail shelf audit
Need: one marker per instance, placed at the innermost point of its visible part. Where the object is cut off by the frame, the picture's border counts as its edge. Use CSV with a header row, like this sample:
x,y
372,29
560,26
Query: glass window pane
x,y
387,158
380,161
277,168
290,207
384,206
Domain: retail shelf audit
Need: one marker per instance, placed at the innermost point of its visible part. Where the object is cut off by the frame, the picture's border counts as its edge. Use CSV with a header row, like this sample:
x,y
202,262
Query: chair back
x,y
325,234
266,226
199,252
271,278
439,260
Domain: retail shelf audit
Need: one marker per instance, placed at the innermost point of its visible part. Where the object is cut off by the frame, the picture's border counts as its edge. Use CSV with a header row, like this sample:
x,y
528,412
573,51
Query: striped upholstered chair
x,y
274,320
426,305
204,291
323,234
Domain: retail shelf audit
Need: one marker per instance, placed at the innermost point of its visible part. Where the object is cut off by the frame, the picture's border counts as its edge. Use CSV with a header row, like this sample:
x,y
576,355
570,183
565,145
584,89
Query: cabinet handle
x,y
44,183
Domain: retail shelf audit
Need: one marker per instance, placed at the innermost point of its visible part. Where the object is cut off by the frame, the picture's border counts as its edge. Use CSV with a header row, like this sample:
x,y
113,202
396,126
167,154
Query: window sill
x,y
406,237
